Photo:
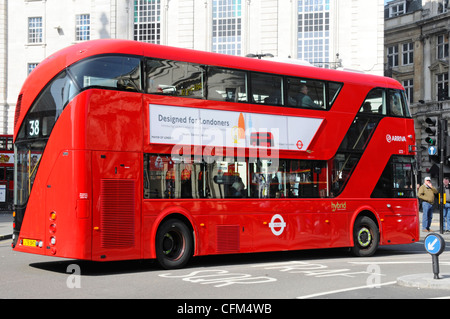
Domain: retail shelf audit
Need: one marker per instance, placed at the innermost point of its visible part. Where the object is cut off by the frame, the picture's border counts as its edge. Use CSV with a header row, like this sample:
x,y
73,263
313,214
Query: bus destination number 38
x,y
33,128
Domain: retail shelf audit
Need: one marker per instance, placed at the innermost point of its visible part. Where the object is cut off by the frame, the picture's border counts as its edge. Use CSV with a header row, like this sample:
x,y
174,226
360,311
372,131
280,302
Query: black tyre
x,y
366,237
174,244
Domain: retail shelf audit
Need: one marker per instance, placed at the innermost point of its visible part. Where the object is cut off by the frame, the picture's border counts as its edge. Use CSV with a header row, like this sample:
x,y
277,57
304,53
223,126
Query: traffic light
x,y
432,131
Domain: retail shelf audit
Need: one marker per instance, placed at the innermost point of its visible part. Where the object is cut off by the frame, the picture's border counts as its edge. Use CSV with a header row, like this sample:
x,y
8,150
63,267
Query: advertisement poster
x,y
6,158
194,126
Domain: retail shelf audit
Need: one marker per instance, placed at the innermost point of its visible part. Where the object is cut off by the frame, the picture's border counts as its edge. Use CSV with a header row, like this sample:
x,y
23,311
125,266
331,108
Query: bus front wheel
x,y
174,244
366,237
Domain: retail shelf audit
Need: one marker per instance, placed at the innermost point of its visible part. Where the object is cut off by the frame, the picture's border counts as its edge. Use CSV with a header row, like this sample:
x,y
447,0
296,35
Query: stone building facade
x,y
417,55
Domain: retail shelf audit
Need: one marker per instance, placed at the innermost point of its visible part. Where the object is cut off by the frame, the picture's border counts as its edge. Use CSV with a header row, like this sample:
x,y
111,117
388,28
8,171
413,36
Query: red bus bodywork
x,y
95,153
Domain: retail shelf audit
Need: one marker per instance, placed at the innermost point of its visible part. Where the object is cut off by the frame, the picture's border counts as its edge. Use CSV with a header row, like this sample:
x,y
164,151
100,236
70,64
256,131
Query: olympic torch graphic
x,y
239,130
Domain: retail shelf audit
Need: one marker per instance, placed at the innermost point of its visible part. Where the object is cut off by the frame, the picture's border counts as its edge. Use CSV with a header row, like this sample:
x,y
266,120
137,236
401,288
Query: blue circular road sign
x,y
432,150
434,244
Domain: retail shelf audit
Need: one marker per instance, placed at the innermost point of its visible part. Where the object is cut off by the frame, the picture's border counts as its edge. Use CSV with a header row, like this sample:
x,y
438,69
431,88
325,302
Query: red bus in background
x,y
127,150
261,139
6,172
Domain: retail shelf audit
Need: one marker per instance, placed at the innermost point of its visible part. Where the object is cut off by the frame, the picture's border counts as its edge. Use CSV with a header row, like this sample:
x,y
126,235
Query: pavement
x,y
6,228
416,280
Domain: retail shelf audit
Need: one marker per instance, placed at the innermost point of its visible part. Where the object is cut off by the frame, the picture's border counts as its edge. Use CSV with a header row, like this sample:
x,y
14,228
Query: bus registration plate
x,y
29,242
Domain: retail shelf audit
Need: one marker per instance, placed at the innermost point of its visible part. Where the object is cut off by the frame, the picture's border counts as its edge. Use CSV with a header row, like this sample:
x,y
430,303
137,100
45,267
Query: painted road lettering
x,y
220,278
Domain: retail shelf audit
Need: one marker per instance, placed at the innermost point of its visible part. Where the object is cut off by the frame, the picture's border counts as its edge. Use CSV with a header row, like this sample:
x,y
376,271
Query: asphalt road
x,y
319,274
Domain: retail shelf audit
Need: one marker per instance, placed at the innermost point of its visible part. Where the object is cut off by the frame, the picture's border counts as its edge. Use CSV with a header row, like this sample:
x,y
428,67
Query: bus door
x,y
117,205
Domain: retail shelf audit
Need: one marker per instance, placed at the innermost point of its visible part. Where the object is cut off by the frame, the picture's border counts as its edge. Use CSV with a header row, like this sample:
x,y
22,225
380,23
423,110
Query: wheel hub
x,y
364,237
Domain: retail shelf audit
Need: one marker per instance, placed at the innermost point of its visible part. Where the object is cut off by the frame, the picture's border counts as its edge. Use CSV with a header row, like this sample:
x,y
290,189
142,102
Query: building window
x,y
31,67
442,46
408,53
443,6
392,56
314,32
409,88
35,31
442,86
83,27
147,21
227,27
397,9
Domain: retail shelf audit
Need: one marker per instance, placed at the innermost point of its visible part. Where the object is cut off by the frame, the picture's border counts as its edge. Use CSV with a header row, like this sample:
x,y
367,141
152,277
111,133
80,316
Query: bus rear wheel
x,y
366,237
174,244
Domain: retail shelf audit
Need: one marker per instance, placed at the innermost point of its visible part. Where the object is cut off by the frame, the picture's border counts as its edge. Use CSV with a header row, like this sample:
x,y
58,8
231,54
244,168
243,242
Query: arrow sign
x,y
431,246
434,244
432,150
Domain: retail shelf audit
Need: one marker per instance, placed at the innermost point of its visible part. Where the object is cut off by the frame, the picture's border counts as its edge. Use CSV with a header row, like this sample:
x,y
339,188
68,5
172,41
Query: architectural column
x,y
4,107
448,65
426,69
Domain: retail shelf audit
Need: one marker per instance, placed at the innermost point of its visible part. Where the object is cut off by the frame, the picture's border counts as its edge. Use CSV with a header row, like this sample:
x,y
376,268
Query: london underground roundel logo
x,y
277,224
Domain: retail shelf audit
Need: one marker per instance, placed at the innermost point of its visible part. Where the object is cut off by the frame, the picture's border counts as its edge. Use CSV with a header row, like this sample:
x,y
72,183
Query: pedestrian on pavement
x,y
447,205
427,193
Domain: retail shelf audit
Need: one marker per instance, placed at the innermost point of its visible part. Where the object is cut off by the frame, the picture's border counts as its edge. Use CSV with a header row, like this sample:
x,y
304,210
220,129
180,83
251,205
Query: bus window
x,y
307,179
169,177
2,142
267,89
397,103
374,102
175,78
227,85
333,92
172,178
48,107
398,179
343,165
229,179
306,93
9,144
118,72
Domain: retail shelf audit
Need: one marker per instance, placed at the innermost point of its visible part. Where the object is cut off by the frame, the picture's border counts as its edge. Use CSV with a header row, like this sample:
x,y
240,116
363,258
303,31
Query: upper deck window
x,y
386,102
117,72
227,85
175,78
306,93
48,107
397,103
267,89
6,143
375,103
184,79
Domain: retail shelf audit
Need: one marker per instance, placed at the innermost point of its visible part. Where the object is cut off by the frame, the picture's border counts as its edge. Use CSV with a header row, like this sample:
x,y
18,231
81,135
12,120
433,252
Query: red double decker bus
x,y
126,150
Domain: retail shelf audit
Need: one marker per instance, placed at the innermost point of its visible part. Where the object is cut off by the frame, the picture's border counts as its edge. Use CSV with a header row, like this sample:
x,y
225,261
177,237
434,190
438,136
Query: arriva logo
x,y
338,206
395,138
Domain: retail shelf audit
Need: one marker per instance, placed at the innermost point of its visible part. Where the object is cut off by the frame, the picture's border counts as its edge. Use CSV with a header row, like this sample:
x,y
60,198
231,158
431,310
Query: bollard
x,y
435,245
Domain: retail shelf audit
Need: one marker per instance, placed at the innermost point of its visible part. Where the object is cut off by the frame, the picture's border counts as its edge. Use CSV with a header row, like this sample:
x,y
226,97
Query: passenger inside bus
x,y
303,99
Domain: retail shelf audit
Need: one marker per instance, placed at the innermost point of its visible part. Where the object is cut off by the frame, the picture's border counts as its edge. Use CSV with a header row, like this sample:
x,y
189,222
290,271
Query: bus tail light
x,y
52,228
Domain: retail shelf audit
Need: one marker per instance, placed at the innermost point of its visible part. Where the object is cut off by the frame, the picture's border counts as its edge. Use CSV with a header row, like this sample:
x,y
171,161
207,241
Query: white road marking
x,y
346,289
